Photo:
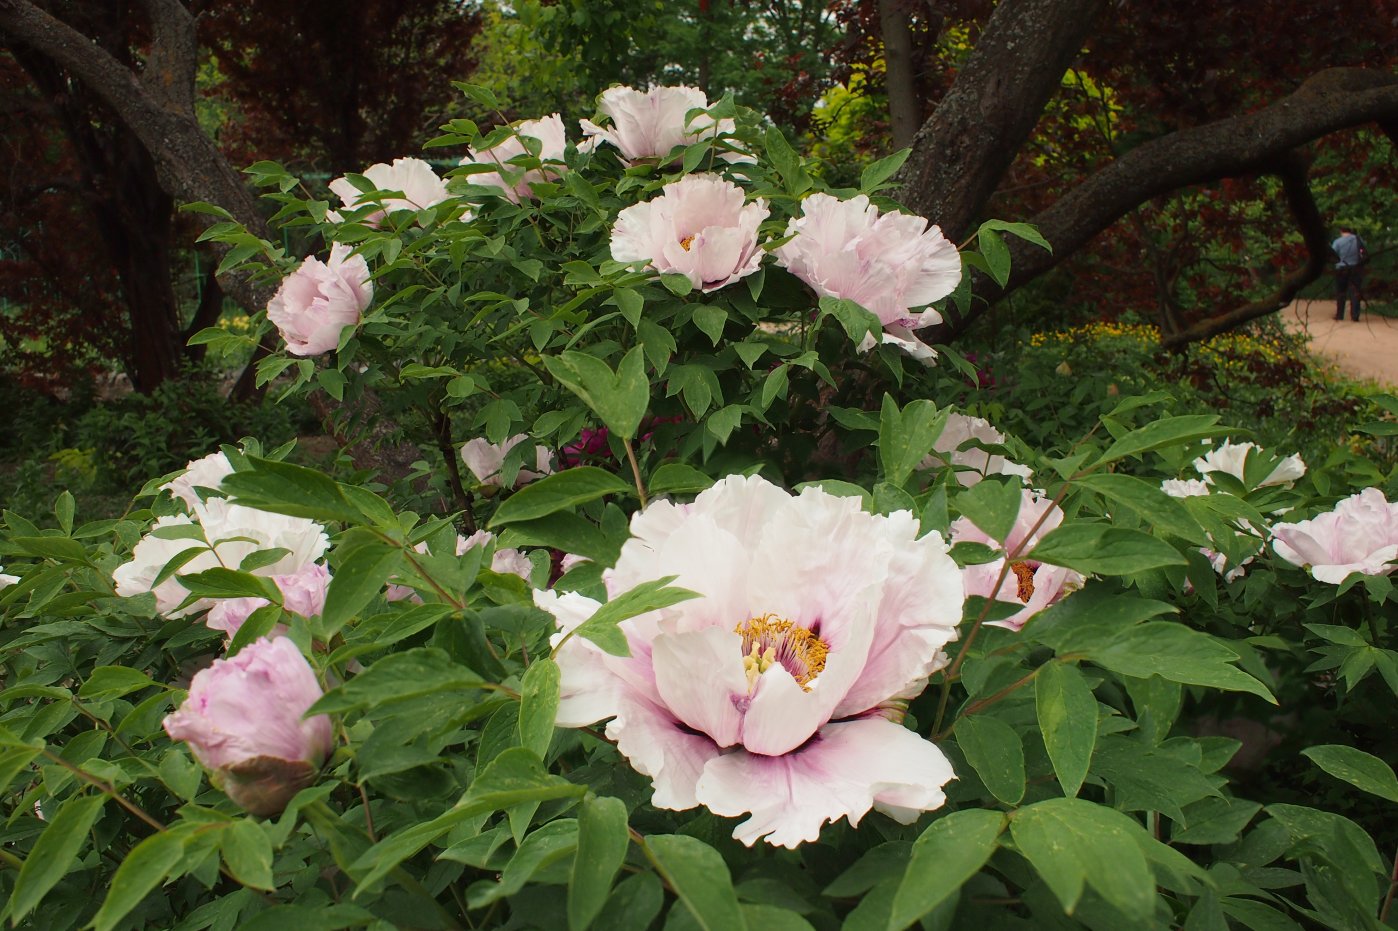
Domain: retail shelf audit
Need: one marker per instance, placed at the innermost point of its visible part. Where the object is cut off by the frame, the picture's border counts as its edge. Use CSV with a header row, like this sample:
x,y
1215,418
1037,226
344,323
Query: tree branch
x,y
174,55
1292,168
963,150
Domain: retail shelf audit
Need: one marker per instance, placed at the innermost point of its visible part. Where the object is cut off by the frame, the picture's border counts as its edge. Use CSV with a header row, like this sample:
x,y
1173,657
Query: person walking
x,y
1349,272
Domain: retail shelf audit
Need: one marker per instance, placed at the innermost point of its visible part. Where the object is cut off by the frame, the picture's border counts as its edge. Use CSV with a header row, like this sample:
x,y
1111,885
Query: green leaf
x,y
514,777
634,904
996,255
53,853
1167,431
619,398
1147,500
538,705
996,753
248,854
627,300
1214,821
857,321
1021,230
219,582
144,868
1067,713
711,320
1150,779
992,504
678,478
601,628
906,436
558,492
875,174
108,682
1096,549
700,878
285,488
602,842
1177,653
357,581
1091,617
1359,769
397,677
59,548
945,856
63,510
1072,843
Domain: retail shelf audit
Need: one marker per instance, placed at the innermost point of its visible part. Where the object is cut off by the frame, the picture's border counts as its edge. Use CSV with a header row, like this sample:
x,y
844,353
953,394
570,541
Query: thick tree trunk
x,y
900,83
156,106
966,146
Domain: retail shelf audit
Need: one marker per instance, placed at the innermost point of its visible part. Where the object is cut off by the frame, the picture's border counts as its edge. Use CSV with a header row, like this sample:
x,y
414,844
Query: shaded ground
x,y
1367,349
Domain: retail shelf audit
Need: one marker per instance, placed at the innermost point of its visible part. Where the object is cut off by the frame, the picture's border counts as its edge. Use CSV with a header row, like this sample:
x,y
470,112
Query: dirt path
x,y
1367,349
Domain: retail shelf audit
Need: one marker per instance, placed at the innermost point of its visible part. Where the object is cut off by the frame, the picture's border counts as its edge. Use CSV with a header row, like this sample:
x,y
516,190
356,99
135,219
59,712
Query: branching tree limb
x,y
964,149
1292,169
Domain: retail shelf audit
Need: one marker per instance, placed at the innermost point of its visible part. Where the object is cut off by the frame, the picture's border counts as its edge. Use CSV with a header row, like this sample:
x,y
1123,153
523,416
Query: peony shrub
x,y
700,607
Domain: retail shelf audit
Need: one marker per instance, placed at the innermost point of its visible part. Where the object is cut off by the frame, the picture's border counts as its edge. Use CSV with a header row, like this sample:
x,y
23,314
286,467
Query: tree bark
x,y
157,106
966,146
904,107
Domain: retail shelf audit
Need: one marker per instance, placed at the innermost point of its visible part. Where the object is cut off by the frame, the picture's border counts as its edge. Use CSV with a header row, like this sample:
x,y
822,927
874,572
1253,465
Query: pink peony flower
x,y
303,593
243,720
199,473
698,227
552,139
887,263
504,560
485,458
816,622
1232,458
651,124
1032,584
1359,535
972,464
319,300
411,177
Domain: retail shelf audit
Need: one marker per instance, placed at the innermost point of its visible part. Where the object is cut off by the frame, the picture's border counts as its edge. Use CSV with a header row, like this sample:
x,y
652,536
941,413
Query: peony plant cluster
x,y
657,585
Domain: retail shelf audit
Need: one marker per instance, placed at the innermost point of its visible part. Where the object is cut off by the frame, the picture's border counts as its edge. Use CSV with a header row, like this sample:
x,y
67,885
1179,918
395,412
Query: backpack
x,y
1363,252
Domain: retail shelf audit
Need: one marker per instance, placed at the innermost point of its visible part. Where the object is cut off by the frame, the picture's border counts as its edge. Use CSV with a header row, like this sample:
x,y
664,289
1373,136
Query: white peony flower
x,y
698,227
412,177
887,263
227,533
1232,458
974,463
485,458
552,139
652,123
1359,535
816,621
318,301
199,473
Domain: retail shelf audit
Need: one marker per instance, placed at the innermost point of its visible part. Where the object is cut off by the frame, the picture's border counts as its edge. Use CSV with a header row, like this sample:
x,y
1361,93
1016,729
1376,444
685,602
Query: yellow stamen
x,y
1024,573
770,640
686,242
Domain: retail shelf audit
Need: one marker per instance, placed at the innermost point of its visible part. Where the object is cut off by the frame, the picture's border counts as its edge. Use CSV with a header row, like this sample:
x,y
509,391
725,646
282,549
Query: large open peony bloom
x,y
1359,535
973,463
887,263
776,693
1034,585
552,140
412,177
650,124
243,720
227,533
698,227
319,300
1232,458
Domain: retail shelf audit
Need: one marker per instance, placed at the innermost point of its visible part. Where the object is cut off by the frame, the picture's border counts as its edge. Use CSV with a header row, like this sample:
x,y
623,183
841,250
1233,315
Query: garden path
x,y
1367,349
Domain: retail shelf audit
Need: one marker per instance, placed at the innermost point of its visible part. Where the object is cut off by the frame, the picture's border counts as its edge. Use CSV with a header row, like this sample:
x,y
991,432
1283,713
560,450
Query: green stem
x,y
635,471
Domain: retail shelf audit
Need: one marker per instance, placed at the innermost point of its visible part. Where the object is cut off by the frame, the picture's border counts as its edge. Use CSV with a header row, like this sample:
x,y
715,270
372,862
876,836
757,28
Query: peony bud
x,y
243,720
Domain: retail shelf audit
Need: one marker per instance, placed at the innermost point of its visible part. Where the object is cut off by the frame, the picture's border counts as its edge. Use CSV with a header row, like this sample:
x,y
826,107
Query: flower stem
x,y
635,471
